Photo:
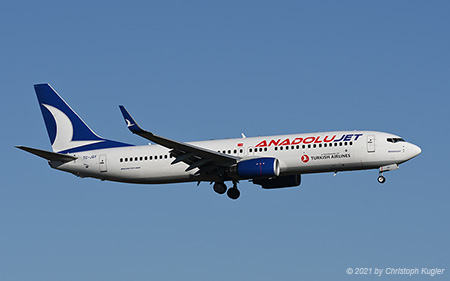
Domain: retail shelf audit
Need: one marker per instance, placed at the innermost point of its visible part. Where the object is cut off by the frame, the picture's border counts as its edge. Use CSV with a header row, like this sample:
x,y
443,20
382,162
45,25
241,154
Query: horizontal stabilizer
x,y
53,156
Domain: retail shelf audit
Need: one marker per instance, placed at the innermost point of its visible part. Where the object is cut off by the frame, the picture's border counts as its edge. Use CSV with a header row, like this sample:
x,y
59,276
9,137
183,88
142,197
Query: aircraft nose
x,y
415,150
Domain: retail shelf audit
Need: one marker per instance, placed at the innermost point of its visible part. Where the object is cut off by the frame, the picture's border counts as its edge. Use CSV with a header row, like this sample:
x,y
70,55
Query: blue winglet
x,y
131,124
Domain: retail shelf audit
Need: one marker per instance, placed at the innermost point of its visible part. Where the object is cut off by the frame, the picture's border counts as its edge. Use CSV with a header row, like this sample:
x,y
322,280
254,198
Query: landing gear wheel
x,y
220,187
381,179
233,193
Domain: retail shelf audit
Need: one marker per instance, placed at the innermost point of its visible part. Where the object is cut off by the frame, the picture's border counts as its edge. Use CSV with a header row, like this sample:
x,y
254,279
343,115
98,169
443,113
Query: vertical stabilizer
x,y
66,130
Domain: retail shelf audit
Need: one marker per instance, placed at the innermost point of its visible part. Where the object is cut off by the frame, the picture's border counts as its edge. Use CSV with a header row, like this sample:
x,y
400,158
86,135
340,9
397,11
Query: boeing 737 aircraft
x,y
271,162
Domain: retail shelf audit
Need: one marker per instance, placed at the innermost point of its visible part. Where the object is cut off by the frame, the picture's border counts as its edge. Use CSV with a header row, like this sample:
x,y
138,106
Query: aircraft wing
x,y
194,156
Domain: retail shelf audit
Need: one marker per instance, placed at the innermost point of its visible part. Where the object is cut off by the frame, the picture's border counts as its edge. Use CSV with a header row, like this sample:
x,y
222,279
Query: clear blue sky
x,y
193,70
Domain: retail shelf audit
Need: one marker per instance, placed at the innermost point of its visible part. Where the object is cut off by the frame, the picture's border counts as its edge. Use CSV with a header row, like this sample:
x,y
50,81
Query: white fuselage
x,y
297,154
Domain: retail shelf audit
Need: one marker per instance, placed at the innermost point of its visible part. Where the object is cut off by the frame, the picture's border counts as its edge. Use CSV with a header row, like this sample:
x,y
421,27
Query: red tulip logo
x,y
305,158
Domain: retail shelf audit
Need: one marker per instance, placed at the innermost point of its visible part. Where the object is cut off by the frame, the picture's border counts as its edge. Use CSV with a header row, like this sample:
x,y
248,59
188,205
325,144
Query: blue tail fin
x,y
67,131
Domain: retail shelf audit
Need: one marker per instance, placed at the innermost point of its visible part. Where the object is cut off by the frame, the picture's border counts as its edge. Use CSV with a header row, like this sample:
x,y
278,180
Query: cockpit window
x,y
394,140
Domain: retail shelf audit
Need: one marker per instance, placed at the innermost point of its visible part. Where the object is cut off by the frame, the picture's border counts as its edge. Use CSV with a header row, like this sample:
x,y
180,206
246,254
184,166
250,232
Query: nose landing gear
x,y
391,167
381,179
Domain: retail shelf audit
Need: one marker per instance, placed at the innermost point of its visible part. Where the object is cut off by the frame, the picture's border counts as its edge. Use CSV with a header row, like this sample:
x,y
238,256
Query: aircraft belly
x,y
147,173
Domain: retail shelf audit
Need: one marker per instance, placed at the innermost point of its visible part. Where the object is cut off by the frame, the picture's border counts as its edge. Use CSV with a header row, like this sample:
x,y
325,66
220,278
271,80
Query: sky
x,y
196,70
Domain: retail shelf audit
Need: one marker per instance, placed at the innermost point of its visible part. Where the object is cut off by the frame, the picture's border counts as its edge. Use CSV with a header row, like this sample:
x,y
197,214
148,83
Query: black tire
x,y
220,187
381,179
233,193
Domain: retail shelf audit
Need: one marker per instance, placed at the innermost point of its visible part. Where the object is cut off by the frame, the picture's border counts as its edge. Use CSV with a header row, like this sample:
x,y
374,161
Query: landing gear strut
x,y
233,192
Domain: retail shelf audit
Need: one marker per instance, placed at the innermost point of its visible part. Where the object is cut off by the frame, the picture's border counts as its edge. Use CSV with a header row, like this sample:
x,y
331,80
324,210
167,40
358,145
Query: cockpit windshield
x,y
394,140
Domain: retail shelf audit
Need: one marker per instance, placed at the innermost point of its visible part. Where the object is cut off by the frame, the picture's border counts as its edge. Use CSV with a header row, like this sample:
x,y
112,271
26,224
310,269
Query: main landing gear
x,y
221,188
233,192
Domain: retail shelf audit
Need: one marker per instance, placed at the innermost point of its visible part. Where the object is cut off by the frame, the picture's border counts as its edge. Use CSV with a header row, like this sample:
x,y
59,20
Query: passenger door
x,y
102,163
371,143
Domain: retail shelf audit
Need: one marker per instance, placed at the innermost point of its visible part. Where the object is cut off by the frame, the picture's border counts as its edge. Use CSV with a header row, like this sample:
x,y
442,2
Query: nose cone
x,y
414,150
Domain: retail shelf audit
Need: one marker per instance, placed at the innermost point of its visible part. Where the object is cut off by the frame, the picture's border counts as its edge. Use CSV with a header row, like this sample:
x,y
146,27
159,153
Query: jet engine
x,y
264,167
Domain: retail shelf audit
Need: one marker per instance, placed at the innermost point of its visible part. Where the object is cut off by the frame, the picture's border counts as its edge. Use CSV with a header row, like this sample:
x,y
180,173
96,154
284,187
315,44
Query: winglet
x,y
131,124
183,148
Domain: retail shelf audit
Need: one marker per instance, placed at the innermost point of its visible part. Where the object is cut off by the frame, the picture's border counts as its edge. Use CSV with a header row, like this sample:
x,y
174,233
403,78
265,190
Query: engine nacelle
x,y
279,182
256,168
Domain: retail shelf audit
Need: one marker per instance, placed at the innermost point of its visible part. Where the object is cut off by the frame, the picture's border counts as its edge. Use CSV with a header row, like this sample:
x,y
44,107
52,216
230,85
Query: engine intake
x,y
256,168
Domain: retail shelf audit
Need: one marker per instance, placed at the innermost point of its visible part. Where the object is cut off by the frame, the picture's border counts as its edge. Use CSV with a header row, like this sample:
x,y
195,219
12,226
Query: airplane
x,y
269,161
